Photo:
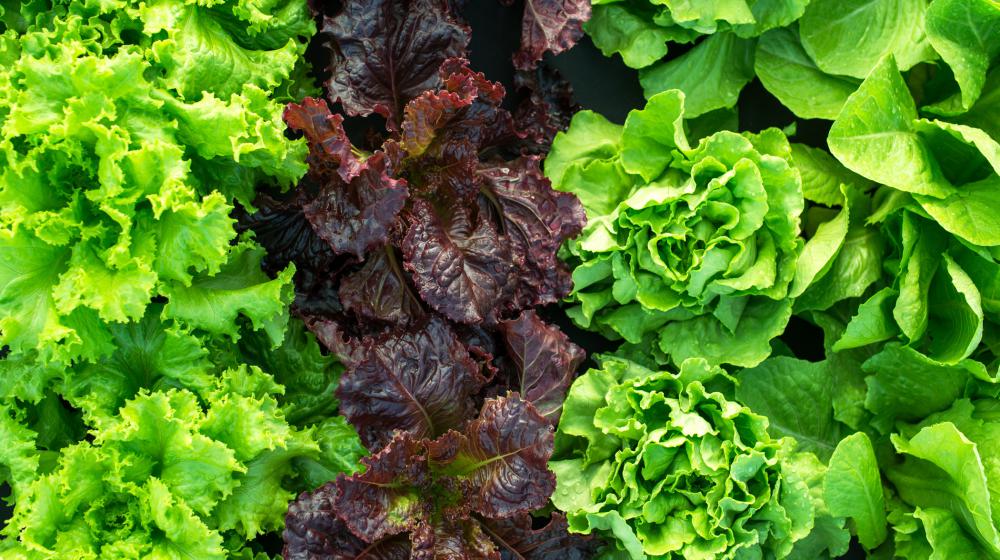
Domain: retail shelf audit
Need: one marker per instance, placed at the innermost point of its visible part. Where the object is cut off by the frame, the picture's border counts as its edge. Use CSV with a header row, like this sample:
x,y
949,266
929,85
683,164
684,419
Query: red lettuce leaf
x,y
282,229
463,269
380,291
350,350
389,497
314,532
547,109
357,216
520,541
549,26
501,459
444,132
420,382
537,220
328,143
387,52
542,361
443,492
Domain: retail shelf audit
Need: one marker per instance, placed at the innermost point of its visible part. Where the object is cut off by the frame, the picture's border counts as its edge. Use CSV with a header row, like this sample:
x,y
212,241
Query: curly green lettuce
x,y
175,474
127,132
694,245
668,466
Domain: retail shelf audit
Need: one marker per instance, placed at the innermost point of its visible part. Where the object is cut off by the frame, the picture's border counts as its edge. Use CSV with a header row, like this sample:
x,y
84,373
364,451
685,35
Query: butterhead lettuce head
x,y
670,467
695,245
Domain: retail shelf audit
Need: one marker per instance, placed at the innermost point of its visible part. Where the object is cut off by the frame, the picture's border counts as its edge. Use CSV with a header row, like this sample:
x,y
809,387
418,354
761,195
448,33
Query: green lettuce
x,y
127,132
668,465
810,54
696,246
155,399
174,474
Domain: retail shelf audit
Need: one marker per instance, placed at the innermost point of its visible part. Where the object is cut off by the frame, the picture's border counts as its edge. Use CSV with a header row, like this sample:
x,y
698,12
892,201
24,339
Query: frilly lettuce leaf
x,y
122,157
174,469
666,464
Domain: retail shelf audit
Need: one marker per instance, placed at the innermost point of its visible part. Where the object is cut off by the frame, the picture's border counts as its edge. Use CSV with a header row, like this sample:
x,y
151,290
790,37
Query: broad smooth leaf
x,y
787,71
711,75
850,37
853,489
796,396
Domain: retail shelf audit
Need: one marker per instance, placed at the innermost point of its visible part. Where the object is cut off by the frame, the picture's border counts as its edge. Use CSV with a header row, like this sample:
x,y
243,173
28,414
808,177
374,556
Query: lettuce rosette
x,y
694,245
668,465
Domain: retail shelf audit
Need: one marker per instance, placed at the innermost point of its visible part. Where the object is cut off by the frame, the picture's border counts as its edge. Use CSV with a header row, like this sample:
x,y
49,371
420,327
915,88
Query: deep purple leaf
x,y
281,228
548,108
550,26
463,268
501,458
357,216
387,52
420,382
314,532
331,334
379,291
388,497
543,363
443,132
537,220
328,143
453,540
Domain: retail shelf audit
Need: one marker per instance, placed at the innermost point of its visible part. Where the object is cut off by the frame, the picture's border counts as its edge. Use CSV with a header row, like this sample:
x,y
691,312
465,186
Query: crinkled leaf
x,y
550,26
537,220
325,134
357,216
314,532
387,52
500,458
386,499
380,290
213,303
518,539
544,362
420,382
462,267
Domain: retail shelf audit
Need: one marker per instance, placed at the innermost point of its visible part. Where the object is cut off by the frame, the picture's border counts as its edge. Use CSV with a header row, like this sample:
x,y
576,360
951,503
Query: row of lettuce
x,y
158,401
704,436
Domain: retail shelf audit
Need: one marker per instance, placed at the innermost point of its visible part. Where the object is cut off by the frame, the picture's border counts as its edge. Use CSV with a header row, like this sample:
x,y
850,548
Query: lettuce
x,y
810,54
127,132
155,401
696,246
669,466
172,473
